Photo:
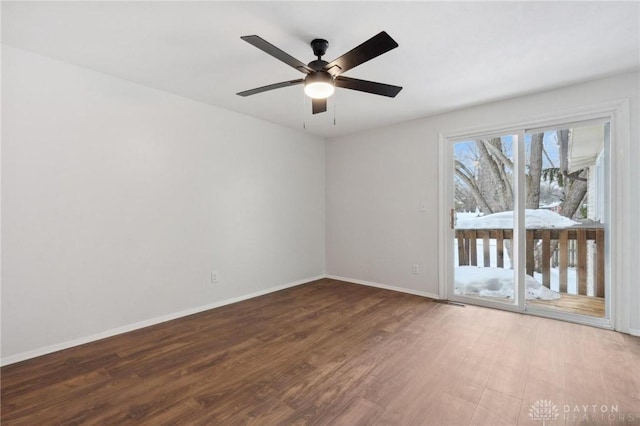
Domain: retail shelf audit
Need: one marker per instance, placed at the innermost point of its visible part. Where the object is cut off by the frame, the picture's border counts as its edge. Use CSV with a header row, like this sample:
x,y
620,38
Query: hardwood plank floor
x,y
334,353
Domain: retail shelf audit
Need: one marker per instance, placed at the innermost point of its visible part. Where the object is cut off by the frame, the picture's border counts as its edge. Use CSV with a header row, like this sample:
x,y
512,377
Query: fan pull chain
x,y
334,108
304,106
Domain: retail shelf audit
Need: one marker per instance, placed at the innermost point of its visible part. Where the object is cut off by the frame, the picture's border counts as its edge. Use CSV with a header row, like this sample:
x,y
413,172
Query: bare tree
x,y
491,183
488,172
575,184
535,171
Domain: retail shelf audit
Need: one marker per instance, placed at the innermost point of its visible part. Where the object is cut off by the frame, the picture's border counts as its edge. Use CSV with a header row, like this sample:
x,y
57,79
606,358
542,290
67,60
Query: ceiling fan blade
x,y
318,105
269,48
367,86
270,87
375,46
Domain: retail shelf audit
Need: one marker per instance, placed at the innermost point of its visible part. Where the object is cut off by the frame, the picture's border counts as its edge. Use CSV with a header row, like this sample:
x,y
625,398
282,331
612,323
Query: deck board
x,y
574,303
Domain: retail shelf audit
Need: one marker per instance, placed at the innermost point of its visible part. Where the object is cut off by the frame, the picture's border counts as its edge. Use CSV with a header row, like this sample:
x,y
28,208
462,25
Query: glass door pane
x,y
566,218
483,219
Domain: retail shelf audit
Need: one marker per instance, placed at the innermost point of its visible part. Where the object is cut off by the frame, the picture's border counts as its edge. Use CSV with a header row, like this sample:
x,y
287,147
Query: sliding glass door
x,y
483,219
567,232
528,221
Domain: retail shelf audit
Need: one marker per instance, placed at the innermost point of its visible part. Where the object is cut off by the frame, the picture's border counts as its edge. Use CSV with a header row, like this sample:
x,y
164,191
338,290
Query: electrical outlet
x,y
415,268
214,277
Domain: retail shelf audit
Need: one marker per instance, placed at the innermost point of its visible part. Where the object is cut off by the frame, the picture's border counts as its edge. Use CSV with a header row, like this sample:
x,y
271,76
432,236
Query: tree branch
x,y
473,187
544,151
497,153
495,167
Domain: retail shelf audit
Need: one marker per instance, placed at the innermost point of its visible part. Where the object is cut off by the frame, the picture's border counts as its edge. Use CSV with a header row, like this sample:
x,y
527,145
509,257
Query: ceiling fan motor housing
x,y
318,77
318,64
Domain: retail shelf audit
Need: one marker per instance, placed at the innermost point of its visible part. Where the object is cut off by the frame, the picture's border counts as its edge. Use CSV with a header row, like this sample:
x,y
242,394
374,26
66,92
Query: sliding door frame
x,y
617,113
518,258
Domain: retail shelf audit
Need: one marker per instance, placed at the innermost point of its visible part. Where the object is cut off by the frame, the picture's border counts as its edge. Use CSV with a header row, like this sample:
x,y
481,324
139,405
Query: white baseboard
x,y
385,286
153,321
146,323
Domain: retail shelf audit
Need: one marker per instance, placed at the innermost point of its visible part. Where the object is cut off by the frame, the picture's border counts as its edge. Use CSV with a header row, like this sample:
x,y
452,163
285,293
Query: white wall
x,y
376,181
119,200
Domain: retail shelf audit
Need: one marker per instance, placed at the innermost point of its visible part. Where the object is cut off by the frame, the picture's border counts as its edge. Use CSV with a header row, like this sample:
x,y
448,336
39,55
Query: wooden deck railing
x,y
550,239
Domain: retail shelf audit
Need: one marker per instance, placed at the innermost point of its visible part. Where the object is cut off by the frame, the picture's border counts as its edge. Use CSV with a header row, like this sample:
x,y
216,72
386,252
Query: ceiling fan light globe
x,y
319,89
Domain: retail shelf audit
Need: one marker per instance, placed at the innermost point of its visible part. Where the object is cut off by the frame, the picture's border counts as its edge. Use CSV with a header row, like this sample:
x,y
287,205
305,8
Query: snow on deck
x,y
538,218
491,281
497,282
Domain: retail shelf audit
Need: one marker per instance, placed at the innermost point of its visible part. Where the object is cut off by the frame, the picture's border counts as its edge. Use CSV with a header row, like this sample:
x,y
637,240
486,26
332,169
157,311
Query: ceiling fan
x,y
323,77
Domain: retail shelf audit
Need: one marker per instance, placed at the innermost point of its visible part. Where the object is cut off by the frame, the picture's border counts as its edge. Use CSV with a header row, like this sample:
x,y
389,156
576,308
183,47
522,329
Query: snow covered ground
x,y
490,281
572,277
497,282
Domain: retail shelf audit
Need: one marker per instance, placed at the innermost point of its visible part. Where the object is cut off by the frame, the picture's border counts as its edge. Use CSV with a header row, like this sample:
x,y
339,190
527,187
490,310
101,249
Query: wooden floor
x,y
333,353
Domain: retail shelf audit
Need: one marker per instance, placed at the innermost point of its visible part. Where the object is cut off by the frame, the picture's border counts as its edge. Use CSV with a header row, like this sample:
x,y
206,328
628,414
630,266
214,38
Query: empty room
x,y
336,213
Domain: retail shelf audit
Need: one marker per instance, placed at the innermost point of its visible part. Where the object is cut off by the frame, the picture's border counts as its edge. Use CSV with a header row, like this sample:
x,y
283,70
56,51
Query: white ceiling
x,y
451,54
